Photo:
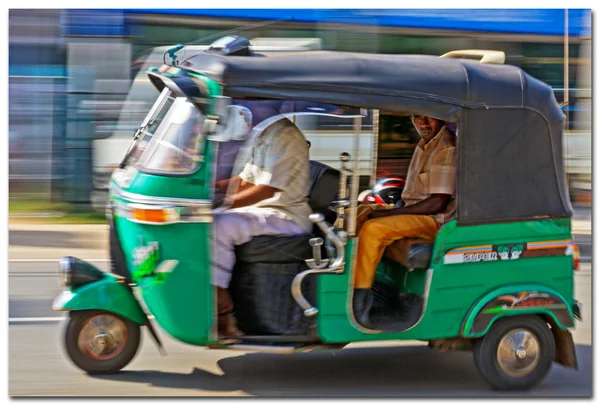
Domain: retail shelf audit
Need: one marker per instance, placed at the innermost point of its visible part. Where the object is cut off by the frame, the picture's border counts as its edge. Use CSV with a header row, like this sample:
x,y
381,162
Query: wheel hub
x,y
518,352
106,340
102,337
521,353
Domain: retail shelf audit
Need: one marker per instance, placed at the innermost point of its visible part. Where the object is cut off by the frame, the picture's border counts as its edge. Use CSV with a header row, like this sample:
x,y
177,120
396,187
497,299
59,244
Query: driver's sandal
x,y
227,325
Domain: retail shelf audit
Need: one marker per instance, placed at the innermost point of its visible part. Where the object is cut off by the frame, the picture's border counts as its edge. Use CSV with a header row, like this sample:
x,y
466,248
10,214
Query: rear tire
x,y
100,342
516,353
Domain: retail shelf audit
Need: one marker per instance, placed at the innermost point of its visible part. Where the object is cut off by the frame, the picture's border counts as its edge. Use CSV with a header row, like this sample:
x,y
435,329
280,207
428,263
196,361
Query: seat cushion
x,y
275,249
419,256
263,301
411,253
261,285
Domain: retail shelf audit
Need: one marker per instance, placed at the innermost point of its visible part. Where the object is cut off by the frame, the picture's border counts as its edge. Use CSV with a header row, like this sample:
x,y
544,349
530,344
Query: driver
x,y
269,198
428,203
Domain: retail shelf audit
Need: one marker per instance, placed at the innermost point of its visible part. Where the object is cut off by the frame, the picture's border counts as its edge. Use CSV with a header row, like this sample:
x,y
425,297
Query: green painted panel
x,y
183,303
456,288
415,282
392,273
108,295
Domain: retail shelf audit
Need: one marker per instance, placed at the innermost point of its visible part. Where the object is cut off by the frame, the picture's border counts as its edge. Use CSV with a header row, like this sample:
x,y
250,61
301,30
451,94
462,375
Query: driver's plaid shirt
x,y
432,170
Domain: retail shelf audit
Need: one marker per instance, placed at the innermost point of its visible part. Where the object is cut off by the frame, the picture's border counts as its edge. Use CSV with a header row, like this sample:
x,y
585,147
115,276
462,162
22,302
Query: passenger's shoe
x,y
226,322
361,305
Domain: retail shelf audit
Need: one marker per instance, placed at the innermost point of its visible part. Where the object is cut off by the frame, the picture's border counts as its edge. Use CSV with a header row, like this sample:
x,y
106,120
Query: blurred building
x,y
70,70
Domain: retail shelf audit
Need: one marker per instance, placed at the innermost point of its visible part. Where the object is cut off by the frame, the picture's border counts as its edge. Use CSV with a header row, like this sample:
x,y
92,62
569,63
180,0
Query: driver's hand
x,y
221,186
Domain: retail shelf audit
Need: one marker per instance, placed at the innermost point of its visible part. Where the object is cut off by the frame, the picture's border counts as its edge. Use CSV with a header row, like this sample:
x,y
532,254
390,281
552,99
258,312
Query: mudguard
x,y
106,294
516,300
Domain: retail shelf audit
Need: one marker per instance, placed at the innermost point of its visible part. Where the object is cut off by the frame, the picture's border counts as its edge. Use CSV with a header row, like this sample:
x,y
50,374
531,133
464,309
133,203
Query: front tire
x,y
100,342
516,353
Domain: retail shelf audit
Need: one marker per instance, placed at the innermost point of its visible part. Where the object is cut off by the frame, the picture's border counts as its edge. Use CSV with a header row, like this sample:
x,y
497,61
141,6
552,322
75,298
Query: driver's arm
x,y
429,206
222,185
251,195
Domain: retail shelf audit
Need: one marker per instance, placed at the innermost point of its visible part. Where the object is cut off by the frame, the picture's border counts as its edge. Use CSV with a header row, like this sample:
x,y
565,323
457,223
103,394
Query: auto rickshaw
x,y
497,280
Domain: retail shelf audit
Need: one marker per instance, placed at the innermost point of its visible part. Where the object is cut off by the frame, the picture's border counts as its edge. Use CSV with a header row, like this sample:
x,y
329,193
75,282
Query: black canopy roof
x,y
510,159
394,83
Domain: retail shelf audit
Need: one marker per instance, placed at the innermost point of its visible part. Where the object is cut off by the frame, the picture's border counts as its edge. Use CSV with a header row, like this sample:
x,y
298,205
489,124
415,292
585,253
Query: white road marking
x,y
27,320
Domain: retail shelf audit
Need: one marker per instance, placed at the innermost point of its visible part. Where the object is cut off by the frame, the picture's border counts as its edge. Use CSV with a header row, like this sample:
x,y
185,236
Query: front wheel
x,y
100,342
516,353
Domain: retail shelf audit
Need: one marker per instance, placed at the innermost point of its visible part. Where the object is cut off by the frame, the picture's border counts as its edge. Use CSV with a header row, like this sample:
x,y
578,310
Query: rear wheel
x,y
100,342
516,353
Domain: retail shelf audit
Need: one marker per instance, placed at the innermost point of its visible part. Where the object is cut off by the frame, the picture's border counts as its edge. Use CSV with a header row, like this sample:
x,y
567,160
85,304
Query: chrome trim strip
x,y
59,302
425,298
197,211
151,200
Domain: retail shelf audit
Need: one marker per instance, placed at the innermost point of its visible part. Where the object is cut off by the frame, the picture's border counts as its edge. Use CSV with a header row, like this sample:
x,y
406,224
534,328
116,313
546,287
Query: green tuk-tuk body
x,y
502,270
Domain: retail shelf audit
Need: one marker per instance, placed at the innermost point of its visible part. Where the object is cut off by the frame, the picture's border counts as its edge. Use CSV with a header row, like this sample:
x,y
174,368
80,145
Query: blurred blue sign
x,y
517,21
101,23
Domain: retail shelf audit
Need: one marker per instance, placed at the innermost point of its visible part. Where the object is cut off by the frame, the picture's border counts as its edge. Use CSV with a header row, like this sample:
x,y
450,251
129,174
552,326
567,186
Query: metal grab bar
x,y
487,57
337,266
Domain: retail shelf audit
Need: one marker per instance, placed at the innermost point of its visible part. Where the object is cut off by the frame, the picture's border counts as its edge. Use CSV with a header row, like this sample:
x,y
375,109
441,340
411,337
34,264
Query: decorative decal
x,y
470,254
146,263
522,300
509,251
512,304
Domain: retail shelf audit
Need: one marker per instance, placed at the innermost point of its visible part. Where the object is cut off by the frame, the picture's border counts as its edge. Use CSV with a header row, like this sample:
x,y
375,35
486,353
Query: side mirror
x,y
222,105
239,123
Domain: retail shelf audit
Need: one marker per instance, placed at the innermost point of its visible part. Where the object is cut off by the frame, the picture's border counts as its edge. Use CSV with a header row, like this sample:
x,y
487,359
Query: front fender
x,y
106,294
517,300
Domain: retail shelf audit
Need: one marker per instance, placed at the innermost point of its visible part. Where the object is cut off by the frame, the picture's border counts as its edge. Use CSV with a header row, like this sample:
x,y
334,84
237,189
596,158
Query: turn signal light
x,y
154,216
576,257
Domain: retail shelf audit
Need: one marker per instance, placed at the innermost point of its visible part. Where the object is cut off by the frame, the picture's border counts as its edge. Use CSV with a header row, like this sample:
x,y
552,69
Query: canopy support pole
x,y
566,67
355,178
374,155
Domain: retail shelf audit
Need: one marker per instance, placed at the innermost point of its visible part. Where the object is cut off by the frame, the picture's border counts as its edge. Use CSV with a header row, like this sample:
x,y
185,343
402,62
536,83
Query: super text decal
x,y
508,251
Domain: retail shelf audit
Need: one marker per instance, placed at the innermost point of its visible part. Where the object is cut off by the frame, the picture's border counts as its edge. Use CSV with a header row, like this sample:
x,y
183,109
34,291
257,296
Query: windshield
x,y
171,140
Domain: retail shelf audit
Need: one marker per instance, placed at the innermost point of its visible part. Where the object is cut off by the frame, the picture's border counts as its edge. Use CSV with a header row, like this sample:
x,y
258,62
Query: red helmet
x,y
387,190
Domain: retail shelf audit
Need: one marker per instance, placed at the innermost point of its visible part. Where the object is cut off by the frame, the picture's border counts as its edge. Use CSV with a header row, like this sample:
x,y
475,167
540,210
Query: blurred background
x,y
78,90
77,87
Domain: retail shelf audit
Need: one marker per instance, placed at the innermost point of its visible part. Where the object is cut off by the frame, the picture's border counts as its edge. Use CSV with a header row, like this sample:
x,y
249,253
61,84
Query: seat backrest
x,y
325,185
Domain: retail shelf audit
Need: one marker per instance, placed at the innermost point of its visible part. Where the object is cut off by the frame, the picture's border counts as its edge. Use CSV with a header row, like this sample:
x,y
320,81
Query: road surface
x,y
38,367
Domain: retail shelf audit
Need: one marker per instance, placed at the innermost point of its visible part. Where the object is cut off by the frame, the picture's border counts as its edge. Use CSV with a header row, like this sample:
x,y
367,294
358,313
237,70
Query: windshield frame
x,y
149,119
157,138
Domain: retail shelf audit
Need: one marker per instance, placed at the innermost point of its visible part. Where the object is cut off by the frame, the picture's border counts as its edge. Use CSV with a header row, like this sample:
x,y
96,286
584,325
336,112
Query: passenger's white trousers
x,y
238,226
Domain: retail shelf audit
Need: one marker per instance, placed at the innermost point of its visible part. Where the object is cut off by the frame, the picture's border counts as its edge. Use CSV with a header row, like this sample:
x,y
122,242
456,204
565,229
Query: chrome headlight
x,y
75,272
64,272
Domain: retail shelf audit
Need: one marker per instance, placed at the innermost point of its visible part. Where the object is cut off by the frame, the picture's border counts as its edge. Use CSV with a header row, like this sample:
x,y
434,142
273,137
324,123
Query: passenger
x,y
428,203
269,198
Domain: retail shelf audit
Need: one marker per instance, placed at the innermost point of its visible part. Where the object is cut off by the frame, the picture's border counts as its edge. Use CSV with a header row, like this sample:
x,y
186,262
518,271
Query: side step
x,y
279,349
278,339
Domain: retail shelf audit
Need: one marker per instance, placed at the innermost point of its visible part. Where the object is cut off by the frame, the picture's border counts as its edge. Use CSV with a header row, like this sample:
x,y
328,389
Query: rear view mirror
x,y
239,123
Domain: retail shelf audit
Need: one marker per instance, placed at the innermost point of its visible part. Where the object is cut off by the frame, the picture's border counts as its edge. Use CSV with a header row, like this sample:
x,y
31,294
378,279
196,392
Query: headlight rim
x,y
65,273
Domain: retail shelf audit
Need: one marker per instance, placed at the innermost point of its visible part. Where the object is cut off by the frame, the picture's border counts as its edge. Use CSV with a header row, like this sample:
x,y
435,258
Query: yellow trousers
x,y
376,234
